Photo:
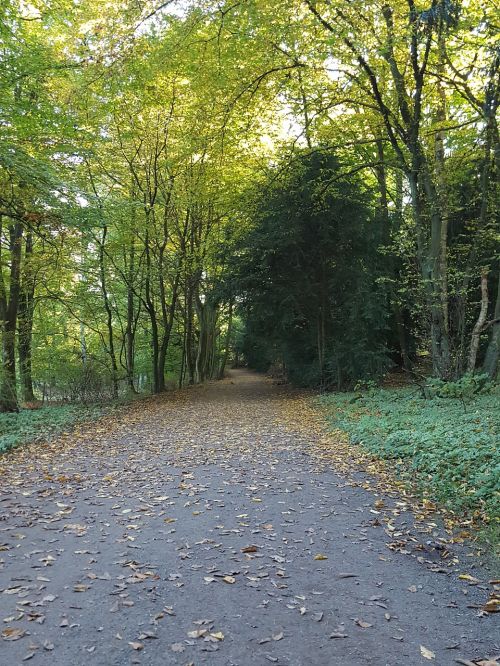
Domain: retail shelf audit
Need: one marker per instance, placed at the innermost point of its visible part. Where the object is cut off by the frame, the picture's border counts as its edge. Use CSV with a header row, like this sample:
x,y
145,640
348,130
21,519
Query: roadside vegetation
x,y
41,424
441,438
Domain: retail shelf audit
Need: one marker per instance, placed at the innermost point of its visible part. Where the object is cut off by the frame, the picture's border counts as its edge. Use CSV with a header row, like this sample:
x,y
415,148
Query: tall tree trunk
x,y
440,178
109,313
83,345
490,365
401,313
207,317
9,306
151,310
130,326
168,322
25,326
227,342
489,187
431,263
394,305
479,325
437,288
190,360
182,370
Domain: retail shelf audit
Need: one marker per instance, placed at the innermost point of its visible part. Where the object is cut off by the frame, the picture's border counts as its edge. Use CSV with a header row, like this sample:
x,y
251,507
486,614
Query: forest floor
x,y
222,525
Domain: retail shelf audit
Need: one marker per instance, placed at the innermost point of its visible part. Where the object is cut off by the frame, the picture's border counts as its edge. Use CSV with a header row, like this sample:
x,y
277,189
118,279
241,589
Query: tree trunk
x,y
490,365
168,322
488,186
190,361
9,307
207,316
430,256
130,326
479,325
392,295
25,326
441,190
109,314
182,369
150,308
227,343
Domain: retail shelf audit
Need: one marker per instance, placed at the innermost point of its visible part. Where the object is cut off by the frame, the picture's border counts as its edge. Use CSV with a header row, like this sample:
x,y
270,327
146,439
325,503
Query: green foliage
x,y
308,273
452,454
464,388
41,424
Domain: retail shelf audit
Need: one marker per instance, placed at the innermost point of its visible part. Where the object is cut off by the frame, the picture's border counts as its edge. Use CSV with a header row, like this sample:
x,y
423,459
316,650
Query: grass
x,y
41,424
447,447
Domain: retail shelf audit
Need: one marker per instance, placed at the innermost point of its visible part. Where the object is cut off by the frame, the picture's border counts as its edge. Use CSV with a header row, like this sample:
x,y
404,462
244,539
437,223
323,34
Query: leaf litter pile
x,y
222,525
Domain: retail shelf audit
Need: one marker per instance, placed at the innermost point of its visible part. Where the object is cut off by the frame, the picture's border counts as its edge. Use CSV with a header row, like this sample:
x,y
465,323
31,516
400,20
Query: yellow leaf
x,y
469,578
320,556
218,635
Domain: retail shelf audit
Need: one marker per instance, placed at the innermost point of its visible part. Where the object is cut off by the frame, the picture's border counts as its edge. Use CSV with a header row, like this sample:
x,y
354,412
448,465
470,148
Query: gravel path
x,y
200,528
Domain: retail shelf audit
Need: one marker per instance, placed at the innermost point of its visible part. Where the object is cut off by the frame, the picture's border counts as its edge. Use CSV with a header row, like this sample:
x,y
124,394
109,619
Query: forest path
x,y
124,543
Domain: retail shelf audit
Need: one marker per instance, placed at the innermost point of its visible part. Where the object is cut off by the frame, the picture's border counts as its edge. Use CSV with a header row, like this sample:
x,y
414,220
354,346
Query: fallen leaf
x,y
80,587
321,556
426,653
493,604
197,633
12,634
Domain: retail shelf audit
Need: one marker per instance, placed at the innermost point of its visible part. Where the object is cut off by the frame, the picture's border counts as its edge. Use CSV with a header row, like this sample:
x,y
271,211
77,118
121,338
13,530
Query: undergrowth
x,y
447,446
41,424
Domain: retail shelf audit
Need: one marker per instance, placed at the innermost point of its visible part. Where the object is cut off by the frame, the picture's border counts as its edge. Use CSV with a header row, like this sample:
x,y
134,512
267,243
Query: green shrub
x,y
451,453
33,424
464,388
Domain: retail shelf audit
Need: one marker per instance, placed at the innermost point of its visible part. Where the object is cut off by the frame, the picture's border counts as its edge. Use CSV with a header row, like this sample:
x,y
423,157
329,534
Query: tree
x,y
308,272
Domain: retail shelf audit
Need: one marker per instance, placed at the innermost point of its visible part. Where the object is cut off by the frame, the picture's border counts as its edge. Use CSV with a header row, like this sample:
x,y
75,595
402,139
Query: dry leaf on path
x,y
426,653
12,634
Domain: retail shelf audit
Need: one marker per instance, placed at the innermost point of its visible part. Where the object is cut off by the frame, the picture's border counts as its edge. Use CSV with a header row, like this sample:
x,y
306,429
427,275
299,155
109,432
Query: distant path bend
x,y
200,528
